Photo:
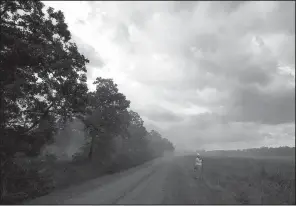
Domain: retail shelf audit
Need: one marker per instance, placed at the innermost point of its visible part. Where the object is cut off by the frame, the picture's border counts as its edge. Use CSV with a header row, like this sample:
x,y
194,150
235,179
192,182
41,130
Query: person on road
x,y
198,166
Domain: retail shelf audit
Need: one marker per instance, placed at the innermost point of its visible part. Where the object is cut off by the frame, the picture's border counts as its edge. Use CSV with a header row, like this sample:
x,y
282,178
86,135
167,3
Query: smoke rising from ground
x,y
67,142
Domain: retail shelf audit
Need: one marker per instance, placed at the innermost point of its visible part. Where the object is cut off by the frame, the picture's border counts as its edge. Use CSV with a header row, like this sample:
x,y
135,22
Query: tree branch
x,y
38,121
5,10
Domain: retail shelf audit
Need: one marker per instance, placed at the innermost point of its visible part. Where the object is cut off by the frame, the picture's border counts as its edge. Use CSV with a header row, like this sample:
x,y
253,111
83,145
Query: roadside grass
x,y
251,180
59,175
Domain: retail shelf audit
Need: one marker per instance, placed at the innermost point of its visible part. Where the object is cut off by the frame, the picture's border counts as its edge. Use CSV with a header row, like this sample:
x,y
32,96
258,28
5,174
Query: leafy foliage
x,y
42,73
43,88
41,76
108,116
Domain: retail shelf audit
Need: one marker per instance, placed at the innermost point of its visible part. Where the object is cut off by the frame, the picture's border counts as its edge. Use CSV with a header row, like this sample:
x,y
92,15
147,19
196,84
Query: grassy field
x,y
232,180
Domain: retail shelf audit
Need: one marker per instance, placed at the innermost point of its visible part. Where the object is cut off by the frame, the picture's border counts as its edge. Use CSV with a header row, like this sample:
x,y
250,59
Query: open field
x,y
233,180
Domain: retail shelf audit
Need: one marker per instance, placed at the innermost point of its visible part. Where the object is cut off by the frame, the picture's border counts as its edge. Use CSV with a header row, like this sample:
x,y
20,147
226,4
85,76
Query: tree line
x,y
283,151
43,88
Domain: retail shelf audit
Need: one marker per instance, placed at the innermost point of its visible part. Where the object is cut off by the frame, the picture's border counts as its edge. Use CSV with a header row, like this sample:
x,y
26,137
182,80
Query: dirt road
x,y
166,180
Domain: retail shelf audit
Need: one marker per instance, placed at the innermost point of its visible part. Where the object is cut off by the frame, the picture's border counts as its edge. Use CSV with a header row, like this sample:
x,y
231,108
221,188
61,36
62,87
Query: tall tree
x,y
109,116
137,145
42,78
41,71
136,125
158,144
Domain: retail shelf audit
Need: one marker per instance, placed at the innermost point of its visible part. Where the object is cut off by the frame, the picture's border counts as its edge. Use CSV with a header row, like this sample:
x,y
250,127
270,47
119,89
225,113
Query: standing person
x,y
198,166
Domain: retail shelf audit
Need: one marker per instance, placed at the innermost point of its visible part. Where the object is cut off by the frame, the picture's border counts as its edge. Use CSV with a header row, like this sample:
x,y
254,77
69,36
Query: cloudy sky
x,y
207,75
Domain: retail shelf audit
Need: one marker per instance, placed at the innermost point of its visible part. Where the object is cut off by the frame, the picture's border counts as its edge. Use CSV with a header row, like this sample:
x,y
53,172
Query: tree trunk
x,y
91,148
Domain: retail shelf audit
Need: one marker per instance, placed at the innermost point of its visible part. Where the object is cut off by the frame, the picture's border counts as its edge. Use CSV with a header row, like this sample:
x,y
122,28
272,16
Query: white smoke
x,y
68,141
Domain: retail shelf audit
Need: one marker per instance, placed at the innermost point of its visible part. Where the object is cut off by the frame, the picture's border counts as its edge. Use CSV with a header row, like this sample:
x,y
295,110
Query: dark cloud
x,y
227,6
179,6
160,114
283,18
254,75
253,104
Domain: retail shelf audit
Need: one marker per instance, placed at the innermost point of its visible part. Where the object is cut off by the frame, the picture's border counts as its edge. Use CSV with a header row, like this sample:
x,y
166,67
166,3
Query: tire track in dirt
x,y
134,186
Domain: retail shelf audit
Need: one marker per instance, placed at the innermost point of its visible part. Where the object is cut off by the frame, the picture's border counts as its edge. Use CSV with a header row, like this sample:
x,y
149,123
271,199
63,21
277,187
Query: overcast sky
x,y
207,75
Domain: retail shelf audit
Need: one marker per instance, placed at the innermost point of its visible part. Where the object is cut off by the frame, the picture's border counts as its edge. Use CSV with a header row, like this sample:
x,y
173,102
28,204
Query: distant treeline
x,y
43,90
255,152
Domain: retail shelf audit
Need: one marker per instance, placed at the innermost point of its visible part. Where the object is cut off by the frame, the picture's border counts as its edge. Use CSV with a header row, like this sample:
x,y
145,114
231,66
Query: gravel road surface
x,y
166,180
